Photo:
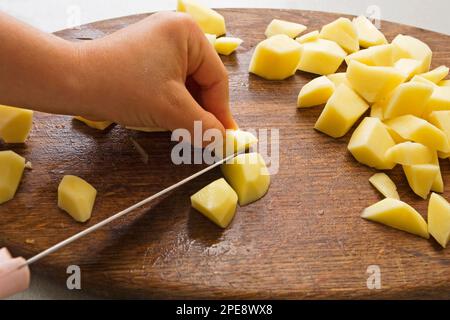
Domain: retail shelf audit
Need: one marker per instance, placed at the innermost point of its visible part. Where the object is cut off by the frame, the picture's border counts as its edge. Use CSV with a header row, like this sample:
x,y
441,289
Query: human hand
x,y
12,278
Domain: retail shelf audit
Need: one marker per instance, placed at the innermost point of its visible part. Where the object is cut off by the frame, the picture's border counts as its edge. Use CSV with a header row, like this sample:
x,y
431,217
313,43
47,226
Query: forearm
x,y
38,71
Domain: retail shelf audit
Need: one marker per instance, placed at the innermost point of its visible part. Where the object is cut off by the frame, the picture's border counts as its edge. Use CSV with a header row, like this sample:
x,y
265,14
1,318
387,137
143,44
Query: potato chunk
x,y
411,48
369,144
15,124
315,92
276,58
416,129
99,125
341,112
439,219
321,57
238,141
76,197
408,98
308,37
437,74
217,201
338,79
373,83
439,100
409,67
381,56
397,214
343,32
410,153
384,185
248,175
368,34
444,83
290,29
11,170
227,45
209,20
421,178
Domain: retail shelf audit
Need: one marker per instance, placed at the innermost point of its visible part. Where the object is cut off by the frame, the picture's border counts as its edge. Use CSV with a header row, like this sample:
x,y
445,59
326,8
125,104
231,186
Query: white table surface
x,y
53,15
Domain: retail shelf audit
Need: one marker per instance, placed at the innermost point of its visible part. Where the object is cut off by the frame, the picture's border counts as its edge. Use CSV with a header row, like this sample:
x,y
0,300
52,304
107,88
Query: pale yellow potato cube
x,y
208,20
376,111
217,201
211,38
339,78
369,144
444,83
439,100
421,178
76,197
276,58
411,48
99,125
384,185
321,57
397,214
373,83
248,175
315,92
15,124
418,130
408,98
11,170
227,45
436,75
368,34
288,28
395,136
343,32
341,112
409,67
238,141
381,56
439,219
308,37
410,153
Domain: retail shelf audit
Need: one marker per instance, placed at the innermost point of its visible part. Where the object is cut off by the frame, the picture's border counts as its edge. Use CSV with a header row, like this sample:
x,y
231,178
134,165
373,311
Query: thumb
x,y
12,279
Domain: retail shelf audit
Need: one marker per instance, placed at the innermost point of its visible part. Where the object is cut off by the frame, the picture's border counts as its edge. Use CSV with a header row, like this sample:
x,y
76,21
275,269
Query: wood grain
x,y
305,239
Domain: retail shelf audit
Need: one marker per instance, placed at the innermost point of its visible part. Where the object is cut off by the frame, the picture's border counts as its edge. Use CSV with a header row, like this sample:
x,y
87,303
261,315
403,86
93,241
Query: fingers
x,y
183,111
12,278
208,71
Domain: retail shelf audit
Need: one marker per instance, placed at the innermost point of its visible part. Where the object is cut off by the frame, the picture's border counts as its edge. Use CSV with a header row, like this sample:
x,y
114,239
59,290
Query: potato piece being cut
x,y
412,48
217,201
418,130
368,34
436,75
15,124
321,57
308,37
248,175
288,28
409,67
381,56
343,32
410,153
397,214
341,112
315,92
276,58
439,219
208,20
76,197
369,144
373,83
227,45
384,185
11,170
99,125
238,141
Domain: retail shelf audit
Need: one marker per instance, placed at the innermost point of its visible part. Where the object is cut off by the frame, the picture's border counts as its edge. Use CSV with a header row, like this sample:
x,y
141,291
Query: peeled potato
x,y
409,67
321,57
338,79
412,48
436,75
439,100
398,215
421,178
15,124
11,170
276,58
343,32
341,112
439,219
315,92
217,201
444,83
374,56
384,185
410,153
99,125
368,34
238,141
227,45
208,20
290,29
308,37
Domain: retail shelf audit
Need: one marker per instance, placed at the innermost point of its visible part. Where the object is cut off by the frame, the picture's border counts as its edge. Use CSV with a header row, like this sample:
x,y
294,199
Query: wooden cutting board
x,y
304,239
